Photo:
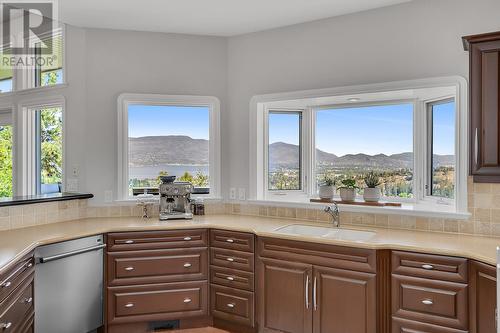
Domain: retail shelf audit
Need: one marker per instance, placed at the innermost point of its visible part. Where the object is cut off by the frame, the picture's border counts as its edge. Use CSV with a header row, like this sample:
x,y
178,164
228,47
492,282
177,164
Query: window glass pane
x,y
443,149
284,151
51,70
168,140
5,71
50,150
5,160
350,142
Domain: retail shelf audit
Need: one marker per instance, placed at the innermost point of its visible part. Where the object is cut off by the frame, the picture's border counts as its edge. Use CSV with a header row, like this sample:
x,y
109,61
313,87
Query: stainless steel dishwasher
x,y
69,286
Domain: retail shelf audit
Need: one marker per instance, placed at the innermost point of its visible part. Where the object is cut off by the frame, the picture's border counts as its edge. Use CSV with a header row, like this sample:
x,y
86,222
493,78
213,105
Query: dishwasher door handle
x,y
71,253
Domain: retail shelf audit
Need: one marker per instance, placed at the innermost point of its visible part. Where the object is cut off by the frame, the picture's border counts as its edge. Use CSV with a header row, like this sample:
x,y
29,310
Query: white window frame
x,y
313,99
24,147
126,99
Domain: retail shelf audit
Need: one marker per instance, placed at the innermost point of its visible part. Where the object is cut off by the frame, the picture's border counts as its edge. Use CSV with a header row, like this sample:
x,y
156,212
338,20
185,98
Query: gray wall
x,y
414,40
140,62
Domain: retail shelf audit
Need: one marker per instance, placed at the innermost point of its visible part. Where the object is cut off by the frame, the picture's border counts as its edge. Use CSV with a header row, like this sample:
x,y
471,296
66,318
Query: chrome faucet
x,y
334,213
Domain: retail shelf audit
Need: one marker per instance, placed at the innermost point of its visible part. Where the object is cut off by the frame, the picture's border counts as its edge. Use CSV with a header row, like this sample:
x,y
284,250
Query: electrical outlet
x,y
108,196
241,194
232,193
75,171
72,185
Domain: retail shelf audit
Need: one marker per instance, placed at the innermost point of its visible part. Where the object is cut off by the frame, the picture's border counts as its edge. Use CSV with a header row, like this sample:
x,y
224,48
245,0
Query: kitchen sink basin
x,y
325,232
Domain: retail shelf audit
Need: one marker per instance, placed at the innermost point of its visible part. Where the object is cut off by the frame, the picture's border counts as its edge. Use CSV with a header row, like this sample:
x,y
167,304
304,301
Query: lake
x,y
151,172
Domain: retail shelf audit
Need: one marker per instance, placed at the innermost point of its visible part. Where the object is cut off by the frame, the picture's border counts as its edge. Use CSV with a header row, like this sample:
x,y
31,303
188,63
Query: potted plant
x,y
348,190
372,193
327,187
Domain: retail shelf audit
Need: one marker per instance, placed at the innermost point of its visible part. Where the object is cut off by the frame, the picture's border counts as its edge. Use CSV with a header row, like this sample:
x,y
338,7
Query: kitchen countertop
x,y
14,244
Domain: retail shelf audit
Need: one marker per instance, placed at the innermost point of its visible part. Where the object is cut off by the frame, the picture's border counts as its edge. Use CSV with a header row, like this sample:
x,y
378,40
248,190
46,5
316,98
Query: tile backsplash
x,y
483,203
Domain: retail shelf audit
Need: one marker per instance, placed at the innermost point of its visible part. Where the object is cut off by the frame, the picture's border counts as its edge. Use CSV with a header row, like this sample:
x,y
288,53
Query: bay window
x,y
411,134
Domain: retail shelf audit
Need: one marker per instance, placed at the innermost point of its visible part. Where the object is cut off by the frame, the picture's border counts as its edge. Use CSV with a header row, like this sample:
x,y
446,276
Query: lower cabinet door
x,y
482,291
157,302
343,301
284,295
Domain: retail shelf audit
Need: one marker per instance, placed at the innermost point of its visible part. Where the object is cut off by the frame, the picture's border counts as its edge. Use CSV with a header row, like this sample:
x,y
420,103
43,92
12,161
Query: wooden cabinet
x,y
285,290
297,295
232,265
156,276
482,302
16,297
484,80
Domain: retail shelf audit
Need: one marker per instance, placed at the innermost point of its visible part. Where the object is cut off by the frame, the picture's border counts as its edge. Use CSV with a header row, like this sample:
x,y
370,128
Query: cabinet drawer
x,y
434,302
429,266
157,266
232,259
149,240
232,278
233,305
14,309
12,278
28,323
232,240
407,326
157,302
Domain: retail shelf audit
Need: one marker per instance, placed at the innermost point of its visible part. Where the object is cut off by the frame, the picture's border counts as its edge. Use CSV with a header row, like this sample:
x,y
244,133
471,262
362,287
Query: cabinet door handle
x,y
6,284
230,259
315,304
129,241
230,278
187,300
476,147
187,265
187,238
130,268
229,240
427,266
129,305
231,305
427,302
307,292
27,300
5,326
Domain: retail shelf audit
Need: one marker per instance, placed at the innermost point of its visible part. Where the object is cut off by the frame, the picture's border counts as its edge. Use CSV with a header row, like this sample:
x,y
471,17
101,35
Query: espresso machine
x,y
175,199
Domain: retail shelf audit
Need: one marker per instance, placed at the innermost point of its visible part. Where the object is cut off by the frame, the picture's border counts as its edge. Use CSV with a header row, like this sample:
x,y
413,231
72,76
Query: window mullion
x,y
420,151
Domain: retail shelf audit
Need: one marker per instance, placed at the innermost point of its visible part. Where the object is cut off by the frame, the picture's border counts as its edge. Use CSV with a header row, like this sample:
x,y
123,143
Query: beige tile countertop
x,y
14,244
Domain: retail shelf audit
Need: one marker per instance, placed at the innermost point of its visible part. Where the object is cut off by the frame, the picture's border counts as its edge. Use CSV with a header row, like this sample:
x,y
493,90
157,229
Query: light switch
x,y
108,196
232,193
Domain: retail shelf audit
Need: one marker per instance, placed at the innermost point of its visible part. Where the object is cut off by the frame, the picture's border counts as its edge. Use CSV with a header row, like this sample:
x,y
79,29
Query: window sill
x,y
408,209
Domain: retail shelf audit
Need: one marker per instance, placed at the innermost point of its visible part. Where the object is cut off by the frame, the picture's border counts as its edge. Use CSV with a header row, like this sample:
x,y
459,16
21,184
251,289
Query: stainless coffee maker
x,y
175,199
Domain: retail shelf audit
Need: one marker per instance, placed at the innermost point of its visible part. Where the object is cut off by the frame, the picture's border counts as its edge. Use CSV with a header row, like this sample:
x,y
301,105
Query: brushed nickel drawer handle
x,y
427,302
6,284
187,265
427,266
230,259
5,326
229,240
187,238
27,300
130,268
129,305
129,241
231,305
230,278
187,300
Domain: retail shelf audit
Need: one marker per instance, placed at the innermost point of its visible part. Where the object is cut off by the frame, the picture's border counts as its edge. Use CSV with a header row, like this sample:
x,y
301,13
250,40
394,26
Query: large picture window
x,y
168,135
414,140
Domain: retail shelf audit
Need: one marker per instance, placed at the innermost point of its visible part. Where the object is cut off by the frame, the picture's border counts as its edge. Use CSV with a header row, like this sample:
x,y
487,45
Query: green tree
x,y
5,161
186,177
51,145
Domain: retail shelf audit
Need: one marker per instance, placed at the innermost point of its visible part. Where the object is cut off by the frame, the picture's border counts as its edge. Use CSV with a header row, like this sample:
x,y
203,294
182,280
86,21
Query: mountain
x,y
285,155
171,149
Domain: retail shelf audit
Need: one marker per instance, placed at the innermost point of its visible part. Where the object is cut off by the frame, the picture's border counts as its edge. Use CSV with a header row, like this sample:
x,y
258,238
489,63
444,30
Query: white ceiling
x,y
206,17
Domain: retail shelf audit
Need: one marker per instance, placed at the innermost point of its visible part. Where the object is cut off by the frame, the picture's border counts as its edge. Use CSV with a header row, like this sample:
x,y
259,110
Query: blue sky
x,y
386,129
149,120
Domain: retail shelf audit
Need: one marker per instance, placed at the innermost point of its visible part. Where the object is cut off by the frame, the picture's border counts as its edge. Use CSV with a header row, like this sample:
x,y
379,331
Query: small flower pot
x,y
326,191
371,194
348,194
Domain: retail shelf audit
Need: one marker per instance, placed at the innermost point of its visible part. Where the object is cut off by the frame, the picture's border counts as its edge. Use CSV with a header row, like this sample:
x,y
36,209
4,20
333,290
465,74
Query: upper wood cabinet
x,y
484,135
